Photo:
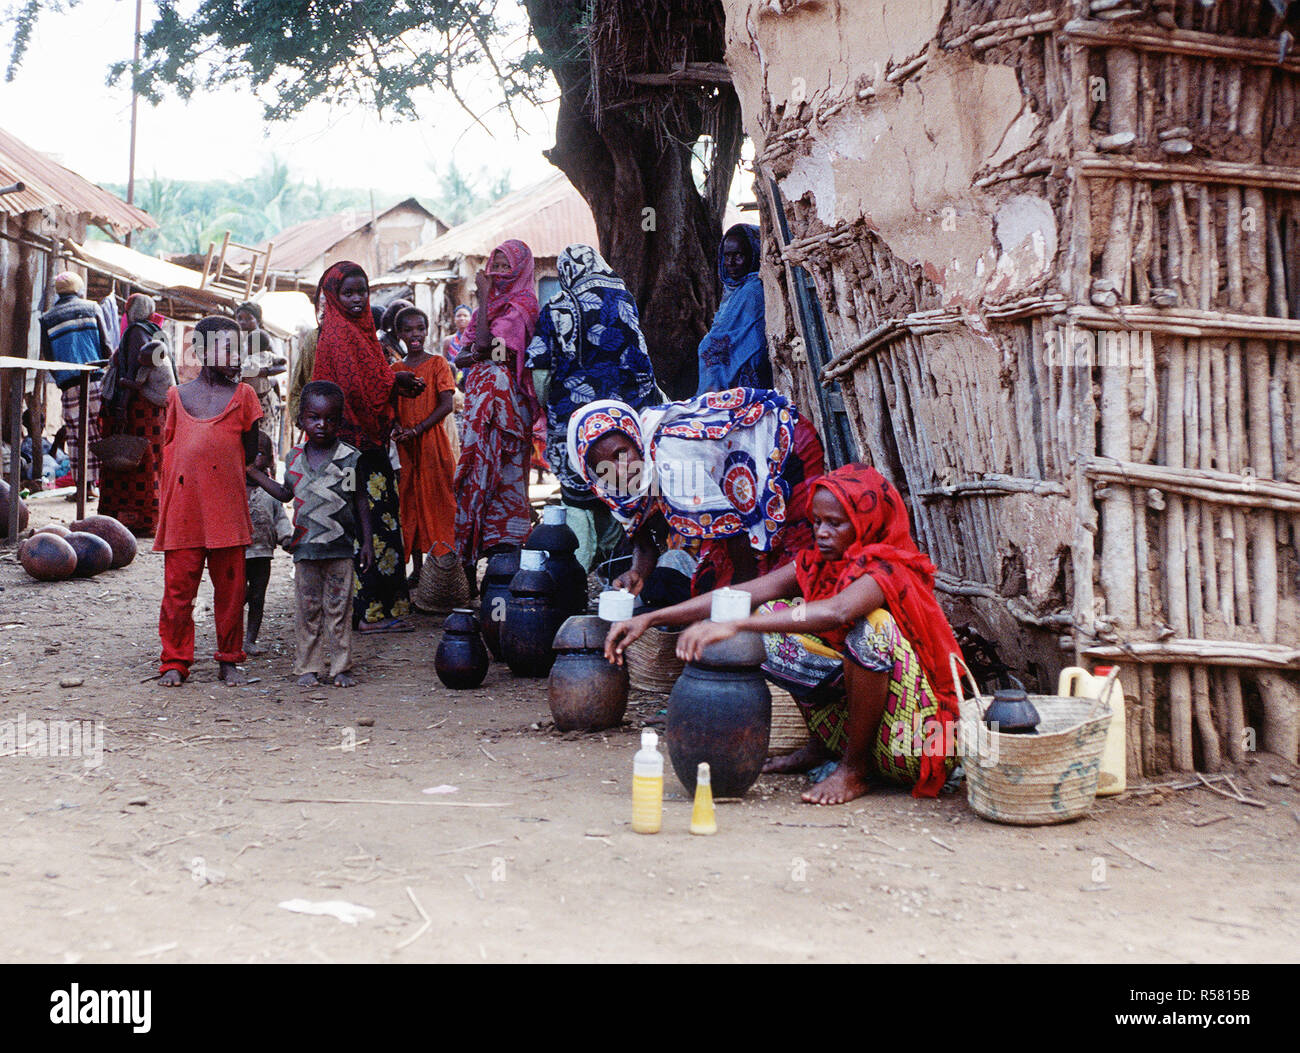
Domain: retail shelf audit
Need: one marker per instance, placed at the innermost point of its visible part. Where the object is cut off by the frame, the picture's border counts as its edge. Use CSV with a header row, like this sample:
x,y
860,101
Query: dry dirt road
x,y
209,810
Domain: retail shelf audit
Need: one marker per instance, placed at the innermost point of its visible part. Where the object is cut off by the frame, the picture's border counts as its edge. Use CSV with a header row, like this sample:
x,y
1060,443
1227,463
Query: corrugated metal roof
x,y
297,247
49,184
283,313
547,216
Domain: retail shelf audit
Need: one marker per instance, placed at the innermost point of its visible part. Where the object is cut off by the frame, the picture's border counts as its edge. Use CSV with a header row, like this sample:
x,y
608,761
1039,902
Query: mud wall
x,y
1054,244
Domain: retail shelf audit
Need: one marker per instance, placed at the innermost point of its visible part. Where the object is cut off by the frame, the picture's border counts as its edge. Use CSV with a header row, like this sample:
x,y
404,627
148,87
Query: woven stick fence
x,y
1107,469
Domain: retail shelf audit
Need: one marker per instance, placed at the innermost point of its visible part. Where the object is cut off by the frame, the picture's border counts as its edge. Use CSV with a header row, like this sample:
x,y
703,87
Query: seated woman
x,y
864,647
733,354
729,469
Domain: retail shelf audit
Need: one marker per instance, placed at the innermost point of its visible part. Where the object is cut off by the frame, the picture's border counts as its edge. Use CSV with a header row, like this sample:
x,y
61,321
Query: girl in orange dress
x,y
428,507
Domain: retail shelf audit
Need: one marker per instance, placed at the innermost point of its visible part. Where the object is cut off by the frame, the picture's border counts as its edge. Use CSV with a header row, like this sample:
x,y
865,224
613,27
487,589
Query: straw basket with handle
x,y
1032,780
789,729
652,662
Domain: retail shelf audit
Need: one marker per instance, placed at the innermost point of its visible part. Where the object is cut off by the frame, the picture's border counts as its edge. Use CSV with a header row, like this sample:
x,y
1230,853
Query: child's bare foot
x,y
344,680
253,647
231,674
803,759
841,786
171,678
308,680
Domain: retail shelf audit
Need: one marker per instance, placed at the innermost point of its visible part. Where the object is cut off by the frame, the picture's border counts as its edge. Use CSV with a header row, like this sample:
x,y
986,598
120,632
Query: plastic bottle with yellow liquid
x,y
648,786
703,819
1079,683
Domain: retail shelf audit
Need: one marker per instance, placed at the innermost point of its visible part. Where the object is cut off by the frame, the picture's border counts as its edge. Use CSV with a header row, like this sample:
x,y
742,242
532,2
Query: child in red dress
x,y
209,436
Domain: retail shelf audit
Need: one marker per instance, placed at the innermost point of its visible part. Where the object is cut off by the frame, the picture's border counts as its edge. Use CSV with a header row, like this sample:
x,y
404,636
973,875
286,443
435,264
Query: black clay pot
x,y
532,619
720,711
495,595
559,542
1011,712
461,660
586,692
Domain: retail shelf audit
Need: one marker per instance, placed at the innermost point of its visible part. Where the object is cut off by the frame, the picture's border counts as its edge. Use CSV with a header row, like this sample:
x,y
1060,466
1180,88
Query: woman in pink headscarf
x,y
491,483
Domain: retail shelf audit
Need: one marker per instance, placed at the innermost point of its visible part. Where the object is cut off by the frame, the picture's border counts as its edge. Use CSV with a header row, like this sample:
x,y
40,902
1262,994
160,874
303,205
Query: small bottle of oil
x,y
703,820
648,786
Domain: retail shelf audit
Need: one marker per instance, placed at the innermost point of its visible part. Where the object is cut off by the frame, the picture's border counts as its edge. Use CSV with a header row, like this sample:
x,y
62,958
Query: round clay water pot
x,y
119,538
47,557
94,554
23,514
532,619
461,660
586,692
720,712
554,537
501,569
57,529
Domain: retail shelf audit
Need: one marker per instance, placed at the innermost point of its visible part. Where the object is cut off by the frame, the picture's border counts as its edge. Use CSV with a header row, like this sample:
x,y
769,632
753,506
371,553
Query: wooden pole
x,y
83,440
17,381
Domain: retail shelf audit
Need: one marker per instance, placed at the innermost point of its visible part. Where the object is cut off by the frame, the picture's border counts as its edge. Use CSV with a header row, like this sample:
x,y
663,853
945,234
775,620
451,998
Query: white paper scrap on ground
x,y
444,788
348,913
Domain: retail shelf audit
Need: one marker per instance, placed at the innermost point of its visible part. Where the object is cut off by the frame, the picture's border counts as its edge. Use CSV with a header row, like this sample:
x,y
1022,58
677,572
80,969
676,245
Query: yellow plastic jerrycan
x,y
1079,683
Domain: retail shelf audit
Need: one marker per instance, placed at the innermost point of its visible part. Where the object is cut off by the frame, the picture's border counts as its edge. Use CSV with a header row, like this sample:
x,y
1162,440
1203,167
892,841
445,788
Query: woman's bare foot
x,y
841,786
171,678
231,674
344,680
308,680
803,759
253,647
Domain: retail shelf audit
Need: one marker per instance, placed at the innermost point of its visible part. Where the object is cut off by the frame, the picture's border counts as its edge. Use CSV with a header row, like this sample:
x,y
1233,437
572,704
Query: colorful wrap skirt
x,y
382,592
813,673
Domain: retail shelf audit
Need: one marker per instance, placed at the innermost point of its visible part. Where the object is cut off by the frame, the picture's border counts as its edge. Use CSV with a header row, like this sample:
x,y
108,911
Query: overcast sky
x,y
59,103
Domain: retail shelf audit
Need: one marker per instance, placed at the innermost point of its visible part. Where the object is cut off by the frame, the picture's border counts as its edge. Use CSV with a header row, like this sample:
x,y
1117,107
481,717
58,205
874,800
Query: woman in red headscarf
x,y
348,353
491,483
864,648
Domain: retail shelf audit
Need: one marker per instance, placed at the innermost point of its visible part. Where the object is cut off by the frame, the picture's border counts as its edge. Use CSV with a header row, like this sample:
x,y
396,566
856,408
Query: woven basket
x,y
652,662
442,586
1033,780
789,729
120,453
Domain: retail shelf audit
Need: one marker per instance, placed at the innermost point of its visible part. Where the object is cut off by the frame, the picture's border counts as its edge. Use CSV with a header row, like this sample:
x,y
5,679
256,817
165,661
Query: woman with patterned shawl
x,y
491,484
588,346
348,353
728,469
733,354
864,647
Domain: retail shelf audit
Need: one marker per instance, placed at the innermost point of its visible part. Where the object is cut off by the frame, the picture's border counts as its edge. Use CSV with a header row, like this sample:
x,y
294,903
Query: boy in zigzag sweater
x,y
329,518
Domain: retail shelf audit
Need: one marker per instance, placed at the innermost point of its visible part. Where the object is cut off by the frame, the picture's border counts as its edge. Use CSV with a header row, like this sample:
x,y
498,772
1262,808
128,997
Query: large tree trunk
x,y
658,232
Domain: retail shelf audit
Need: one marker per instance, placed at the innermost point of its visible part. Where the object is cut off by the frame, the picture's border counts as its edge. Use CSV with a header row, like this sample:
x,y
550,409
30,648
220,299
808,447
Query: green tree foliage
x,y
191,215
465,195
294,52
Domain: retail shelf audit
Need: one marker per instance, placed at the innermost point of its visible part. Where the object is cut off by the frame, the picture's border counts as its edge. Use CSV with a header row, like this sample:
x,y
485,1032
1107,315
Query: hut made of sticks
x,y
1037,261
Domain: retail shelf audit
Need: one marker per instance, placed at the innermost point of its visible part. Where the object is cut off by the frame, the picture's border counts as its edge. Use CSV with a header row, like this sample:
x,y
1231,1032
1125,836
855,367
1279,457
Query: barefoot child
x,y
874,683
428,507
210,434
271,530
329,513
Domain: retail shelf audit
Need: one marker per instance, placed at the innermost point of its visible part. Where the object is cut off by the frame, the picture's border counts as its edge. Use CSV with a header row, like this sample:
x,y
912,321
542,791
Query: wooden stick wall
x,y
1152,388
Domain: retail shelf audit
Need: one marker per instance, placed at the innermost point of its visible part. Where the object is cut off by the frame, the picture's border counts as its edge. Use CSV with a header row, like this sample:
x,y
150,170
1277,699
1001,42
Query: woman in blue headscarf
x,y
588,346
734,352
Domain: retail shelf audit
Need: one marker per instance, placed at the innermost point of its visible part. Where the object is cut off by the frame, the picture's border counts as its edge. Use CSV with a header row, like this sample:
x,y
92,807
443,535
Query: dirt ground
x,y
209,811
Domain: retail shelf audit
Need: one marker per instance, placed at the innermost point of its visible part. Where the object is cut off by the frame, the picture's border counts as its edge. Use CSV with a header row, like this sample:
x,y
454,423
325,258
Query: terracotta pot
x,y
532,619
461,660
494,597
586,692
720,711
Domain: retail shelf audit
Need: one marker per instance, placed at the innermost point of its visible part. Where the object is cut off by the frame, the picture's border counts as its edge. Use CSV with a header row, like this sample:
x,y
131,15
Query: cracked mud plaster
x,y
935,134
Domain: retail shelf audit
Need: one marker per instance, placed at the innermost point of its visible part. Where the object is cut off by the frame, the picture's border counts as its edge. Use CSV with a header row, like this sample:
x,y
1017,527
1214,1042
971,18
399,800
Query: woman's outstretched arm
x,y
775,585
